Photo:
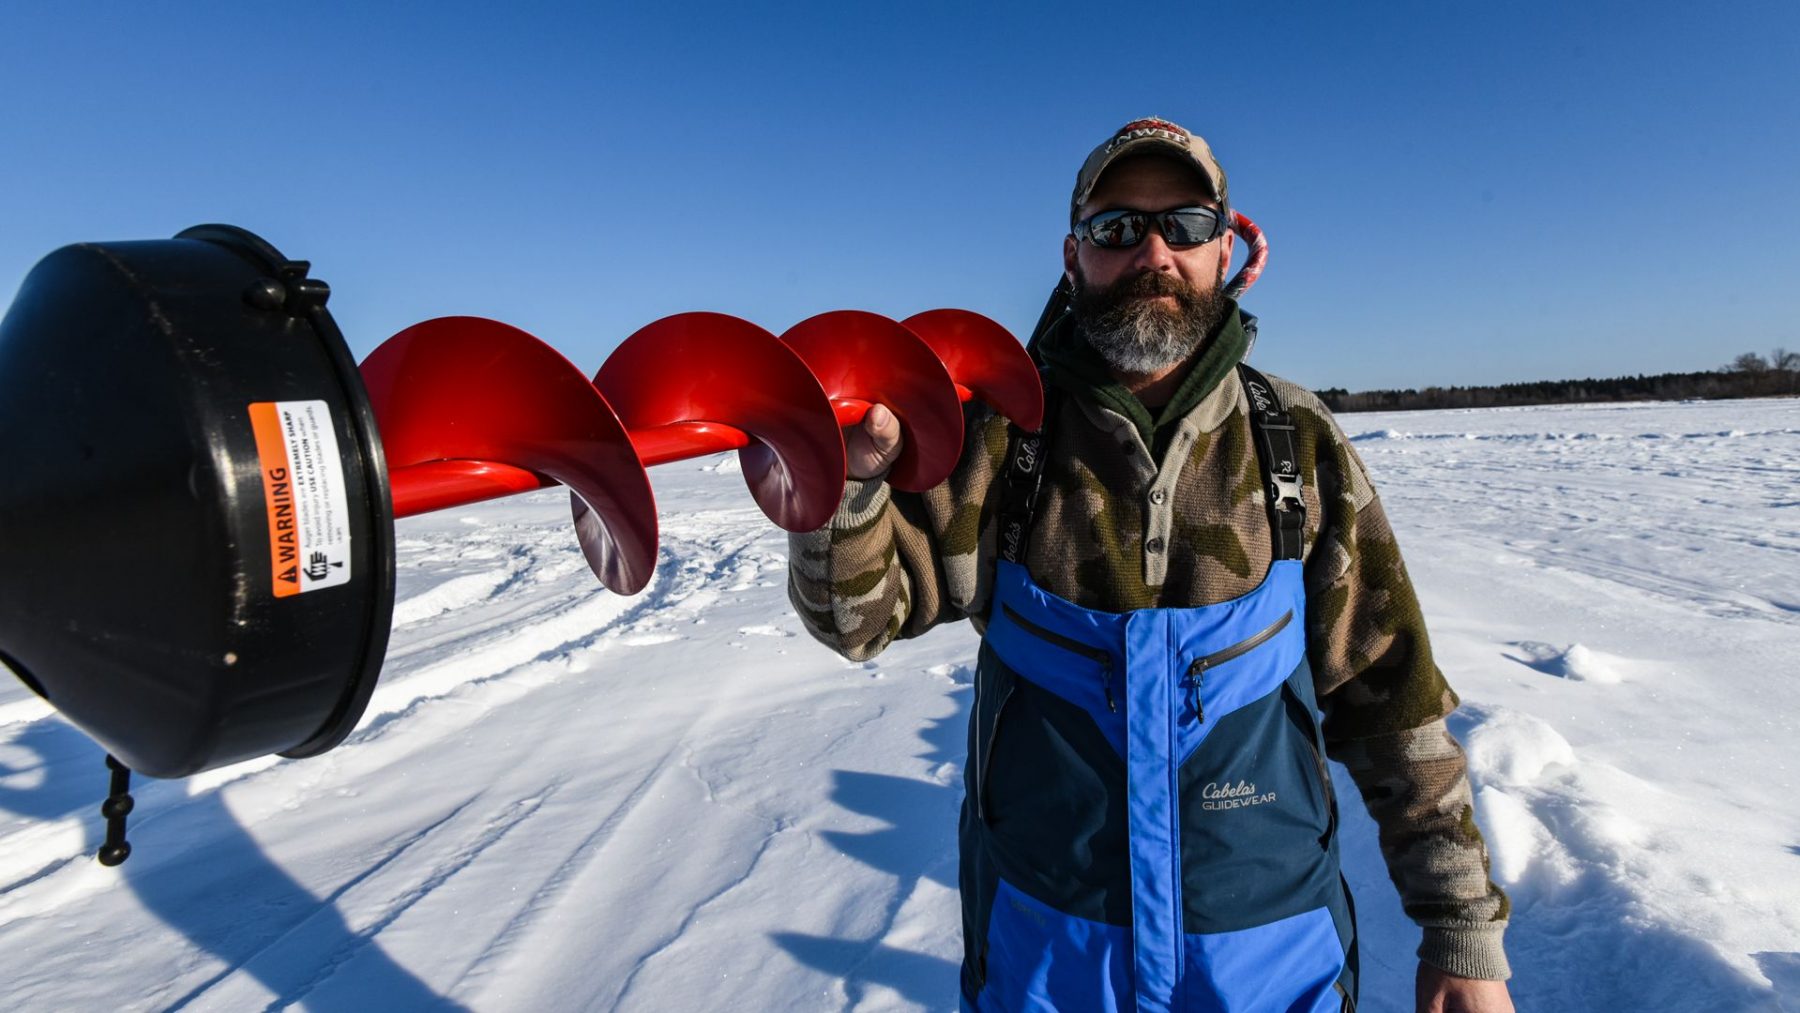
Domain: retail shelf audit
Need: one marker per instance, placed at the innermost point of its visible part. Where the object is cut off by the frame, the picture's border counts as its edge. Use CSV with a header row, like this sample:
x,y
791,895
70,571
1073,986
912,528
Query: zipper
x,y
1325,789
1349,1004
1070,644
987,758
1197,671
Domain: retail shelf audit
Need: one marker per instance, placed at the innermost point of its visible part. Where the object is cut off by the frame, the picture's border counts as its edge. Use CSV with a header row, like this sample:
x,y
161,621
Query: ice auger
x,y
197,526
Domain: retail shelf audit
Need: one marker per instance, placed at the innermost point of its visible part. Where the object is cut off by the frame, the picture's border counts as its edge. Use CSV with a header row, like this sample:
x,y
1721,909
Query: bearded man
x,y
1188,595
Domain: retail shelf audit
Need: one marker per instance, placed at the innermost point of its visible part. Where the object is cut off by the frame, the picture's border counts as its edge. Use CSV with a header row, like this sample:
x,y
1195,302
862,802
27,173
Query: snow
x,y
1513,749
564,799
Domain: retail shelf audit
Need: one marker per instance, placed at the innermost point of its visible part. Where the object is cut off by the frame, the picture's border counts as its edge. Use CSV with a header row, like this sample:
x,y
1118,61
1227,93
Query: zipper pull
x,y
1106,684
1195,673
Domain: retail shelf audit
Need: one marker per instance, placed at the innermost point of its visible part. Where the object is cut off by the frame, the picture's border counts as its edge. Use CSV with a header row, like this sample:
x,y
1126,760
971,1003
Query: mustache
x,y
1146,285
1151,283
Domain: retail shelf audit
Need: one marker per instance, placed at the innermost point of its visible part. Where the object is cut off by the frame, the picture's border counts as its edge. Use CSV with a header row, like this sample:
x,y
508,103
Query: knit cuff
x,y
1467,953
863,497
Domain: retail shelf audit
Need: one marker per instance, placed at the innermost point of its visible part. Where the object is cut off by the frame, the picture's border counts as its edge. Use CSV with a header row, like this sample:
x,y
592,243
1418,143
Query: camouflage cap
x,y
1145,136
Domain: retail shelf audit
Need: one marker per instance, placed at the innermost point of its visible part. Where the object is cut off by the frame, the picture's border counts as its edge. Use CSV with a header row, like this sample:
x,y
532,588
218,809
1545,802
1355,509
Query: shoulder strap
x,y
1055,308
1273,430
1023,476
1023,472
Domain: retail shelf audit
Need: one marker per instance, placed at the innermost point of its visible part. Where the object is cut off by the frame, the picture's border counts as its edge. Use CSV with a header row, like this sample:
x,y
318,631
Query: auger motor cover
x,y
196,535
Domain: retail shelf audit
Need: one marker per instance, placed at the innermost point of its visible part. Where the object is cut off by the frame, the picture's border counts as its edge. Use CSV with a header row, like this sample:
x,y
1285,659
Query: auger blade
x,y
469,399
867,357
685,383
985,358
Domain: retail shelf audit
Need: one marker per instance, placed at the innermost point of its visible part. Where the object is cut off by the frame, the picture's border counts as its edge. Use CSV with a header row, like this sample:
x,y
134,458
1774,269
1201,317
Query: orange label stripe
x,y
278,497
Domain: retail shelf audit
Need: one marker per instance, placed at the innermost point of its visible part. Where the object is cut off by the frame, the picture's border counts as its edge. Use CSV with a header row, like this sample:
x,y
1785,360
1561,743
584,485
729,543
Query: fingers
x,y
872,447
884,432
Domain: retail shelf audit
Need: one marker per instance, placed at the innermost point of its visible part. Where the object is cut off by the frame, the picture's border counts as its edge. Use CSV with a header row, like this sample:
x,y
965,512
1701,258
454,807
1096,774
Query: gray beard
x,y
1141,343
1138,336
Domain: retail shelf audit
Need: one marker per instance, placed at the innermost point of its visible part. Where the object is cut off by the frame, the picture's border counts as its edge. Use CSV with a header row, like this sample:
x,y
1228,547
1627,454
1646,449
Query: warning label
x,y
303,487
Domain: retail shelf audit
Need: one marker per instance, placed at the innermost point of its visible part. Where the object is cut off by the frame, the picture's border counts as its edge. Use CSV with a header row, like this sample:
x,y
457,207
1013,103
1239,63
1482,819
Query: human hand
x,y
1439,991
871,448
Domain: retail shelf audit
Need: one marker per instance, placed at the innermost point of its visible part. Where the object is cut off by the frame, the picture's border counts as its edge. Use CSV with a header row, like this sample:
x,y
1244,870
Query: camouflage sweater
x,y
1116,529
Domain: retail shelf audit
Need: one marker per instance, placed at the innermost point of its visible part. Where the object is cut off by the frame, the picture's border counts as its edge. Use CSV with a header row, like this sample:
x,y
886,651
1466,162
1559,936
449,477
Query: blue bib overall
x,y
1149,823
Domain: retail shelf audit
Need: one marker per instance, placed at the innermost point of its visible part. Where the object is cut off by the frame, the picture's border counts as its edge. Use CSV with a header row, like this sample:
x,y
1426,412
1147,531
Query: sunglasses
x,y
1124,228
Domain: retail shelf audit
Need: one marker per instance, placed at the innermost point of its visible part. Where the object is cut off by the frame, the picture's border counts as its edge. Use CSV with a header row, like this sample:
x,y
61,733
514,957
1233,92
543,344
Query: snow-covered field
x,y
561,799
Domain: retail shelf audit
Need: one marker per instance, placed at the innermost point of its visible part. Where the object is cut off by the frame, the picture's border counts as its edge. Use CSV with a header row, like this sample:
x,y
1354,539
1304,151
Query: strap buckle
x,y
1284,492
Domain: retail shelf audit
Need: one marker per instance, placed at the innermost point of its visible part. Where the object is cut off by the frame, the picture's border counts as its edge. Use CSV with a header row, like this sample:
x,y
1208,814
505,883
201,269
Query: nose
x,y
1153,254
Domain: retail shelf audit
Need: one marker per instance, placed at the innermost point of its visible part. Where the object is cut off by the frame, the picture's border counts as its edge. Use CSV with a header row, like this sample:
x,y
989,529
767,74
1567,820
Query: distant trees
x,y
1777,374
1748,375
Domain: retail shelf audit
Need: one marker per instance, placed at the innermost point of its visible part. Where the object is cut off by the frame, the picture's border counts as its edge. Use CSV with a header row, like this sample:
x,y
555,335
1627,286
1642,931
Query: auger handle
x,y
1256,256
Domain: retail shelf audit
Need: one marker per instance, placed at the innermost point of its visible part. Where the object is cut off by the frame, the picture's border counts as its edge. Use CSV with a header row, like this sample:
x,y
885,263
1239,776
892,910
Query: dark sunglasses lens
x,y
1190,228
1116,228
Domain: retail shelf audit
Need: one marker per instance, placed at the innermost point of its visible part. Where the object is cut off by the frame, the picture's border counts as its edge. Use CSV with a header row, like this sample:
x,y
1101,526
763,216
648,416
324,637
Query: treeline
x,y
1748,375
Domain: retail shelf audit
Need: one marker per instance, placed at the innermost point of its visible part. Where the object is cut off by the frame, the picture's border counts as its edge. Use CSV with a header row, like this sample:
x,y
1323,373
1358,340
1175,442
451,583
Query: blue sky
x,y
1455,193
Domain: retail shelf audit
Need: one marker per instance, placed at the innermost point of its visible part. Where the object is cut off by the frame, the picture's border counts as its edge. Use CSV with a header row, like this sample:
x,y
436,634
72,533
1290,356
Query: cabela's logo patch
x,y
1029,912
1028,454
1232,796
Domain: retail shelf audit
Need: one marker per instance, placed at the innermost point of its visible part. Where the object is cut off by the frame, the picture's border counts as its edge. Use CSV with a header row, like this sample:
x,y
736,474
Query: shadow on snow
x,y
206,877
918,844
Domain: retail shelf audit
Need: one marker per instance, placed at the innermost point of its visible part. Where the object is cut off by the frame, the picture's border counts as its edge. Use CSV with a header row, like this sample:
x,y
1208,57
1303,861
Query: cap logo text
x,y
1148,128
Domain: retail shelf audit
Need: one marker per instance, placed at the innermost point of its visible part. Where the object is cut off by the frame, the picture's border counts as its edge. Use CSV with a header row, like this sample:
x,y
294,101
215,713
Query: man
x,y
1171,582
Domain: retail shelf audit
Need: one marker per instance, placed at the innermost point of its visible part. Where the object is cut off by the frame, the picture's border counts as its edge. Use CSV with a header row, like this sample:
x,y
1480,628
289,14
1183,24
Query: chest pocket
x,y
1257,816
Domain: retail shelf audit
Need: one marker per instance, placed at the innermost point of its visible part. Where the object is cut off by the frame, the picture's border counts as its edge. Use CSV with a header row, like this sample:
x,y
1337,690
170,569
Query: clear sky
x,y
1455,193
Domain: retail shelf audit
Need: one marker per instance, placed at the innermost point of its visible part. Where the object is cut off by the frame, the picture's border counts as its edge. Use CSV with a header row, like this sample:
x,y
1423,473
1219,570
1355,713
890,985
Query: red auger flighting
x,y
471,409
